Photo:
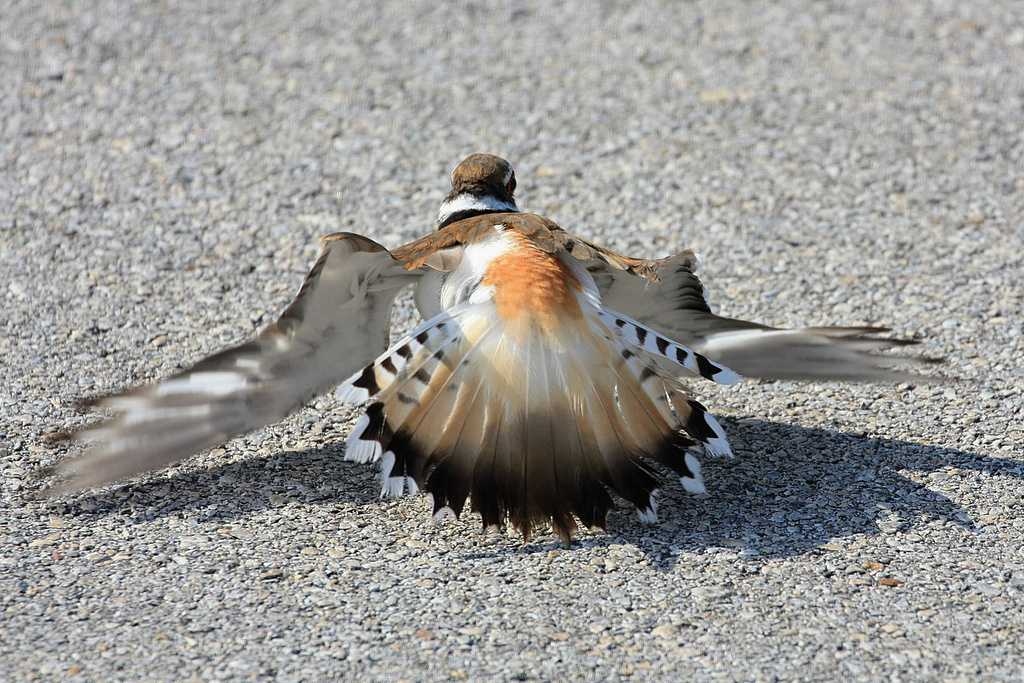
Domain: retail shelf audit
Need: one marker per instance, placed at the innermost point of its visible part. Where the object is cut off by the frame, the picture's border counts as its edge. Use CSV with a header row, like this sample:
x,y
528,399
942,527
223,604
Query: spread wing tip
x,y
337,322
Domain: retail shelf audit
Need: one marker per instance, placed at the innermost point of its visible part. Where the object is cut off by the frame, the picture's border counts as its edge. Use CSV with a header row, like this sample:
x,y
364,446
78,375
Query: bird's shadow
x,y
793,489
237,490
790,490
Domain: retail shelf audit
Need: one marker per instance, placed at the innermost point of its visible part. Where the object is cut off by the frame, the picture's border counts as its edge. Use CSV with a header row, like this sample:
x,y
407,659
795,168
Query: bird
x,y
549,374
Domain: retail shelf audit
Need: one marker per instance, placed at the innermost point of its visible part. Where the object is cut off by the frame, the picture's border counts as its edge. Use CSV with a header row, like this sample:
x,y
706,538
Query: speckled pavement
x,y
165,169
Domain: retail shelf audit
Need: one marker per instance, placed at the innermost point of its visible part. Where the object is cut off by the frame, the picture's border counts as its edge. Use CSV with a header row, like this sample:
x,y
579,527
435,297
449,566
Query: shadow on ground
x,y
316,476
790,490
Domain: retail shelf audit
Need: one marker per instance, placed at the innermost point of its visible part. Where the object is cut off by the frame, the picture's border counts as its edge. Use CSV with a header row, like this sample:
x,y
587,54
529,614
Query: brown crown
x,y
484,174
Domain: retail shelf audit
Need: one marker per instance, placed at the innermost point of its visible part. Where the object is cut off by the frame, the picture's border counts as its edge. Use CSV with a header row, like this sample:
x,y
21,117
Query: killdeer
x,y
549,373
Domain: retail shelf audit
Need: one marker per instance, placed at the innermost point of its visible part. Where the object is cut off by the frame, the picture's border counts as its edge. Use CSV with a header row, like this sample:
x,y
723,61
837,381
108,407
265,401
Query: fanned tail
x,y
531,424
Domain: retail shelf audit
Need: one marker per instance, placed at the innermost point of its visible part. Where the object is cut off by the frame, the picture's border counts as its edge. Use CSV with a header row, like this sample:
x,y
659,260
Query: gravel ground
x,y
165,169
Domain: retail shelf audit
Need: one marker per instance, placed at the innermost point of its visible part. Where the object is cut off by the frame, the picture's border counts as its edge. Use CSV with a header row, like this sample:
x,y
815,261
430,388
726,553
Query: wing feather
x,y
337,323
667,295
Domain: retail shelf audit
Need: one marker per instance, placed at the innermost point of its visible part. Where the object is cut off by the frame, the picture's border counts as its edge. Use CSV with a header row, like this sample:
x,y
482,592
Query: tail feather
x,y
532,421
432,423
526,427
640,336
627,475
443,466
594,500
450,476
404,381
503,479
485,501
557,496
406,357
663,398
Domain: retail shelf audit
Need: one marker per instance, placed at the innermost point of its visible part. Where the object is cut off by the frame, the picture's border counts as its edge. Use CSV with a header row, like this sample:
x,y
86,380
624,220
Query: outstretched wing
x,y
337,323
667,295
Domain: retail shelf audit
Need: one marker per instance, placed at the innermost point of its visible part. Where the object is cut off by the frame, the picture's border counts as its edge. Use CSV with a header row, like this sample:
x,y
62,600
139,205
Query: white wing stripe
x,y
215,383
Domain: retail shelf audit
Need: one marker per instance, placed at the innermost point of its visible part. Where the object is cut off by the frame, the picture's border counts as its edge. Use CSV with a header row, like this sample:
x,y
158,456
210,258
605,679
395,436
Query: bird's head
x,y
481,183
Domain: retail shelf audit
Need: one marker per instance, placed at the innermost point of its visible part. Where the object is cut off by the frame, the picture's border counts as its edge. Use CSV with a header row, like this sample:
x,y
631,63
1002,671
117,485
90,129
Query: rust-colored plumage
x,y
529,282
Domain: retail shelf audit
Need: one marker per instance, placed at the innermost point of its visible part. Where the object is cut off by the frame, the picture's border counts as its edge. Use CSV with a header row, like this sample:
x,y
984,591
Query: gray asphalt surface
x,y
165,169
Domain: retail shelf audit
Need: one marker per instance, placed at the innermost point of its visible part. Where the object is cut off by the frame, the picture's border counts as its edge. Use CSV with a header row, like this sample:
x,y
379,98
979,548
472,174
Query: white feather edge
x,y
694,484
212,383
443,514
718,446
358,449
649,514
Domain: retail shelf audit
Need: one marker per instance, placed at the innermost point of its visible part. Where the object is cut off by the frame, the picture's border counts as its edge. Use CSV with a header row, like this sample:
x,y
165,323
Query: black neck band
x,y
468,213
